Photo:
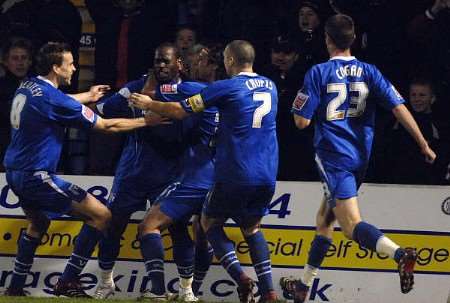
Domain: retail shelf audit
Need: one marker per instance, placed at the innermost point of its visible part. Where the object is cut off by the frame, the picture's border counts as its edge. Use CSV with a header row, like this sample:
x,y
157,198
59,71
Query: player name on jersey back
x,y
257,83
33,87
352,70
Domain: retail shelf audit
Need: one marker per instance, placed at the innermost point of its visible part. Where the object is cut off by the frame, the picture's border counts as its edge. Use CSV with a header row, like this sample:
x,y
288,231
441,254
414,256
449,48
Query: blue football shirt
x,y
40,112
337,94
247,148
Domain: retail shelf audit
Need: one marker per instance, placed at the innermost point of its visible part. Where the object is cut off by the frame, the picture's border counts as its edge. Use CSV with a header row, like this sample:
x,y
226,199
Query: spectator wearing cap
x,y
308,33
287,73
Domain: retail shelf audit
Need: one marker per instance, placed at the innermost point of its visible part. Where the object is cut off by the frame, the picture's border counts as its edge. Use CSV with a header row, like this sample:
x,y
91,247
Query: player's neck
x,y
247,69
52,78
340,53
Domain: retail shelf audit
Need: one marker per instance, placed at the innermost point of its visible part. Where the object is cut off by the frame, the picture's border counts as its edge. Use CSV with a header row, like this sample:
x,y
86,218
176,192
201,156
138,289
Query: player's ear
x,y
180,64
433,98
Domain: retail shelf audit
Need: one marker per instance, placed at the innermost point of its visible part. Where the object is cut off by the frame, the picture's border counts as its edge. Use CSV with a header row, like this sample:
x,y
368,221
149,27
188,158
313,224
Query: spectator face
x,y
185,39
421,97
18,62
283,60
308,20
65,71
166,65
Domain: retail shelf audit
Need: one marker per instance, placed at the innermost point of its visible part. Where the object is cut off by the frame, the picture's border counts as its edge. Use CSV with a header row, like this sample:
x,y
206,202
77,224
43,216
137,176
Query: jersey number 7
x,y
263,109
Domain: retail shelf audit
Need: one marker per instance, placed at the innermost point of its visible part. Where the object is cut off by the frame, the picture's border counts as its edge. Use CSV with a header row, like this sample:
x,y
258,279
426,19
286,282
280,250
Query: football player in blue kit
x,y
337,94
40,112
150,161
246,161
185,198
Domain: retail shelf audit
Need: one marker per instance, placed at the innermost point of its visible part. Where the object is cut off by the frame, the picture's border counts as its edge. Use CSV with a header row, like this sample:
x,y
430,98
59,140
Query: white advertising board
x,y
414,216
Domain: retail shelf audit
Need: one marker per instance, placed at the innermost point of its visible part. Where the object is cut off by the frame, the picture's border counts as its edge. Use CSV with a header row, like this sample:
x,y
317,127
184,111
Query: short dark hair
x,y
422,80
17,43
340,29
50,54
176,51
242,51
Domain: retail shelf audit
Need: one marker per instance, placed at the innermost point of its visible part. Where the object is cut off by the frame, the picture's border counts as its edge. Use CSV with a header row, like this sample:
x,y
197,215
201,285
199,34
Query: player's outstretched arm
x,y
407,121
93,95
122,125
172,110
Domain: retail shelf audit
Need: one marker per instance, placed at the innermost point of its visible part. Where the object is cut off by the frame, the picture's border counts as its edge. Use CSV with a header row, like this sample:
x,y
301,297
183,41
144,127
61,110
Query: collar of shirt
x,y
46,80
345,58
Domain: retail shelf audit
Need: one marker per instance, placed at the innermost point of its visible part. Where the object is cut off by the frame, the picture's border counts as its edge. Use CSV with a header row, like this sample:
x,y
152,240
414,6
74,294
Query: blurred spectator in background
x,y
428,48
185,40
405,161
127,33
296,155
17,58
42,21
251,20
307,32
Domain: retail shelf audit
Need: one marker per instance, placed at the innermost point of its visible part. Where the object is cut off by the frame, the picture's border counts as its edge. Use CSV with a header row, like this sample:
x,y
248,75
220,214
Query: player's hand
x,y
140,101
429,154
150,85
98,91
153,119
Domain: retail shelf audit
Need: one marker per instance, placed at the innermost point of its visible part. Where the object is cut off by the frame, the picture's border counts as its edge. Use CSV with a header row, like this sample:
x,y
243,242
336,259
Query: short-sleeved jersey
x,y
247,148
40,112
151,156
337,94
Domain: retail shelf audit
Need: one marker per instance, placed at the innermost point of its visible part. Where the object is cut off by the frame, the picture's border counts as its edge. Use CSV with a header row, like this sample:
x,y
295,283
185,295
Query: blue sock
x,y
259,252
84,246
204,254
224,252
183,250
366,235
318,250
24,260
109,248
152,251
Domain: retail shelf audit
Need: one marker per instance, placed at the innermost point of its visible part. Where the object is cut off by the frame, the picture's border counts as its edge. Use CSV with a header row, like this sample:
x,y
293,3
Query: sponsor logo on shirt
x,y
169,88
125,92
196,103
300,100
88,113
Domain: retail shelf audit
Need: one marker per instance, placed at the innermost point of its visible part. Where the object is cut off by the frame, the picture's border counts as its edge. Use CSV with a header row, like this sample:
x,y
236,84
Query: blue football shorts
x,y
126,199
238,201
44,191
180,202
339,183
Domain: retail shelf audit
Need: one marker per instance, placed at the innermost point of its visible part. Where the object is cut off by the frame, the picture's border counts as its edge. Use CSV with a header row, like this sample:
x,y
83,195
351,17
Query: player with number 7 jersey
x,y
246,162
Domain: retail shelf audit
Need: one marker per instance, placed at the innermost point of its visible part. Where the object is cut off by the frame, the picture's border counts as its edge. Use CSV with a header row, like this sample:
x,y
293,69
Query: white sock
x,y
386,246
309,273
107,277
186,283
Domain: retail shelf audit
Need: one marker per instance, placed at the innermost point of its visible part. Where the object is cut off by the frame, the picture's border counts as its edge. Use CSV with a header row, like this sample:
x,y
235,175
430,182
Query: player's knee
x,y
250,230
102,219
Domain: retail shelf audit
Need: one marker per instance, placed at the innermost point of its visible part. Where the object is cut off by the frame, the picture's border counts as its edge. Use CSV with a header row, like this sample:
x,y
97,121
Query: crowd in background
x,y
409,41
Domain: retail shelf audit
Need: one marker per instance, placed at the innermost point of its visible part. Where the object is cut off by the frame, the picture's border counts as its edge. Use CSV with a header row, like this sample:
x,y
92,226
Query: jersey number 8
x,y
357,103
16,109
